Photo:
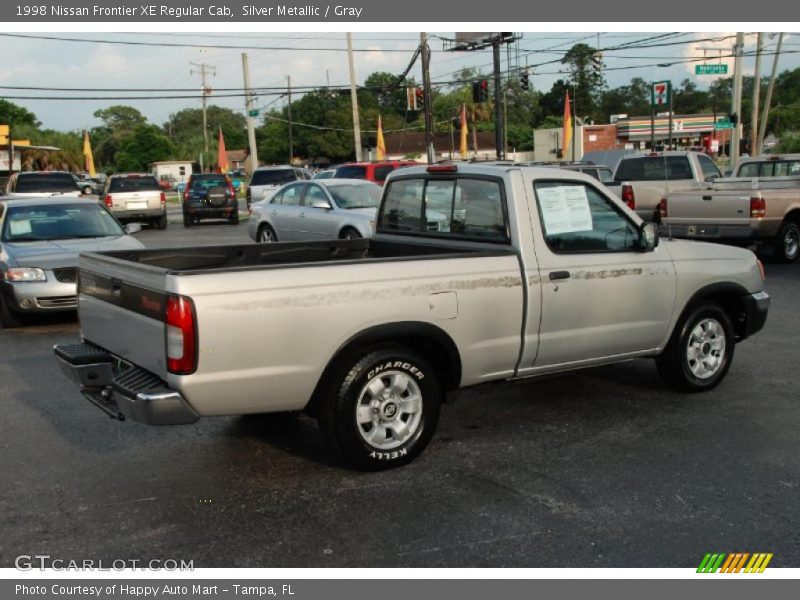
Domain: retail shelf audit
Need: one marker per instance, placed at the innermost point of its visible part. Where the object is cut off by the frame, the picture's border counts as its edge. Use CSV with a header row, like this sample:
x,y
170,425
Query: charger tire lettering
x,y
398,364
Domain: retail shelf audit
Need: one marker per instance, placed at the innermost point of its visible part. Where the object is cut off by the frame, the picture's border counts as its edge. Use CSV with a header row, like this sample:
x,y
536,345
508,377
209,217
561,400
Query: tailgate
x,y
721,207
121,305
144,200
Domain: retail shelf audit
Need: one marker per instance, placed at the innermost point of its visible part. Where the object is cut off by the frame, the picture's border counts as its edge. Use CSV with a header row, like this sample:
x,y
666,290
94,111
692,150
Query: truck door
x,y
602,295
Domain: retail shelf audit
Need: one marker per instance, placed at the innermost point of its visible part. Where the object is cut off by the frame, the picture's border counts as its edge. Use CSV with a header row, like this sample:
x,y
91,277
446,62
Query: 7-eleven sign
x,y
660,93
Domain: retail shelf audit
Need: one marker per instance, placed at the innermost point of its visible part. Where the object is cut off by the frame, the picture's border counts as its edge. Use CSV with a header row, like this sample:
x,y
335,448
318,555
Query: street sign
x,y
723,123
716,69
660,93
253,113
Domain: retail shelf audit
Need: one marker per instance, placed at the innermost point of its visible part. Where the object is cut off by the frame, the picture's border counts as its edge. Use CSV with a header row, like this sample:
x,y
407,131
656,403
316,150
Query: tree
x,y
16,116
145,144
587,82
120,118
187,124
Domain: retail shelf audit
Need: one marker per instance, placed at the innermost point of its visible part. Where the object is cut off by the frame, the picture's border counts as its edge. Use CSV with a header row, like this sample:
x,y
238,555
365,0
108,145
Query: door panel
x,y
317,223
284,215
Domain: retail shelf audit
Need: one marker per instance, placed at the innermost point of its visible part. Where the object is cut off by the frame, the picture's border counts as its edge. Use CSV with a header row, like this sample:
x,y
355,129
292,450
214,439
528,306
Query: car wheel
x,y
187,221
700,351
266,235
161,222
787,242
384,408
348,233
234,219
8,318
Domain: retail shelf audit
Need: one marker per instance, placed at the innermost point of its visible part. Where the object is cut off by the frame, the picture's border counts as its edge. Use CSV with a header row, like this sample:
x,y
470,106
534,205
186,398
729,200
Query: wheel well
x,y
793,216
344,229
730,298
432,343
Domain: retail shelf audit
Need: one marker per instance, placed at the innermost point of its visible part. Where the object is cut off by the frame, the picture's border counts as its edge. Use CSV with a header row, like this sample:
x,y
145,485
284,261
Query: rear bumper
x,y
756,308
133,215
123,393
206,210
741,233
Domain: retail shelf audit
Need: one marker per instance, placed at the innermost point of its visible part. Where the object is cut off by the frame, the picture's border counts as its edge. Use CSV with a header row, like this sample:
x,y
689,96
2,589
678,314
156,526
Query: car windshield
x,y
208,182
273,177
133,184
28,183
351,172
356,196
58,222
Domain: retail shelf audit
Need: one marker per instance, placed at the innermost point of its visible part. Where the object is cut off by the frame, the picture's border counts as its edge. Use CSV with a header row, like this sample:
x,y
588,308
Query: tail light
x,y
761,270
163,198
181,336
108,201
248,195
627,196
186,194
662,208
758,207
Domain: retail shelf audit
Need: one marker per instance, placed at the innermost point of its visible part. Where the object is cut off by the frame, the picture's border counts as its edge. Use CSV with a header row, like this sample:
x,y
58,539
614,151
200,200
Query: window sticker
x,y
565,209
20,227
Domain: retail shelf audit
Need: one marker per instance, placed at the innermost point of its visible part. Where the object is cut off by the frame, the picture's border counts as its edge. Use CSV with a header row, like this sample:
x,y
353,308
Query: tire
x,y
234,220
709,331
787,242
8,318
161,222
348,233
87,190
383,409
266,235
187,221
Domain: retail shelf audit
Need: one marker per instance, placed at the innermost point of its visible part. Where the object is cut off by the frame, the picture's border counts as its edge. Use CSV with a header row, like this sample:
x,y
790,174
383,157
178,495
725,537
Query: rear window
x,y
273,177
133,184
204,182
45,182
654,168
771,168
460,207
352,172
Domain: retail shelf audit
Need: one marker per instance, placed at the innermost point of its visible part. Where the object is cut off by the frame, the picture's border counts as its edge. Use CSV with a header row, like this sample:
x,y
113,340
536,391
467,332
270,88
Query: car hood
x,y
64,253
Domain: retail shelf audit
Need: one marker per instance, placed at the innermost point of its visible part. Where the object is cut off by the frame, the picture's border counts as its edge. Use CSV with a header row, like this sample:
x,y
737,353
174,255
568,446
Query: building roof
x,y
236,155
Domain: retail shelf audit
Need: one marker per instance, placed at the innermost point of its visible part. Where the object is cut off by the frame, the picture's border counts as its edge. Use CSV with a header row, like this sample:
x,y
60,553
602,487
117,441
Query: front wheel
x,y
349,234
700,351
8,318
787,242
266,235
384,409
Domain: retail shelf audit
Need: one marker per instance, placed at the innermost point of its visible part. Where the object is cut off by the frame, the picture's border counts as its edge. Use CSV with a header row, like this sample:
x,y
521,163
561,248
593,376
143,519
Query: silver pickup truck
x,y
539,271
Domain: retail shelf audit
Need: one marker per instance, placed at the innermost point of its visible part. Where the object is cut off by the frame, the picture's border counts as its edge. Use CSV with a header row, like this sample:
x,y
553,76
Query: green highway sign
x,y
253,113
723,123
716,69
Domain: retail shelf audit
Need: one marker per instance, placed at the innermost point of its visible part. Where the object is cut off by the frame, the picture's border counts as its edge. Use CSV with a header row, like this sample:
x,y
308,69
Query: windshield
x,y
351,172
58,222
28,183
356,196
133,184
273,177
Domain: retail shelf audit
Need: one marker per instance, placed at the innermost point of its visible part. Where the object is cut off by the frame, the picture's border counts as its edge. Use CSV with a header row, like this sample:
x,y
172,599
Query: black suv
x,y
209,195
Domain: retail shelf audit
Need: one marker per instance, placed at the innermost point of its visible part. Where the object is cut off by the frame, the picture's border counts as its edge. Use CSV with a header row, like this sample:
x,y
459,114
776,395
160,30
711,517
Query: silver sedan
x,y
323,209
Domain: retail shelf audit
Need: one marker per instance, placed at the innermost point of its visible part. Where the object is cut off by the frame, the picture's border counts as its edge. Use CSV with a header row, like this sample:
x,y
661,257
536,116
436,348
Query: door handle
x,y
706,197
559,275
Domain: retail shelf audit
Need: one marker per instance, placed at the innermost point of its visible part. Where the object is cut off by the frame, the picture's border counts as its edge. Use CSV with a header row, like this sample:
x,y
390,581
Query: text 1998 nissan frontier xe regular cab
x,y
538,271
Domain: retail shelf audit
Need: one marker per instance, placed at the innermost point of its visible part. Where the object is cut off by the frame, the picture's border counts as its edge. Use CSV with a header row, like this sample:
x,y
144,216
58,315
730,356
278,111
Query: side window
x,y
794,167
291,195
382,172
708,167
576,218
315,194
748,170
182,170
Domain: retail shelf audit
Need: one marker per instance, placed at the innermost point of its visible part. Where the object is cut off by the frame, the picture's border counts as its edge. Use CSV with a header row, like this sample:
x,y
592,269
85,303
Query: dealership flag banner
x,y
222,156
464,131
567,137
381,143
87,153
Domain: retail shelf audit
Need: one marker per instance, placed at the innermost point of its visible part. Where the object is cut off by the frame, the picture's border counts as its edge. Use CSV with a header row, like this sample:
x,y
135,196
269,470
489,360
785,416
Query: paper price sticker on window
x,y
565,209
20,227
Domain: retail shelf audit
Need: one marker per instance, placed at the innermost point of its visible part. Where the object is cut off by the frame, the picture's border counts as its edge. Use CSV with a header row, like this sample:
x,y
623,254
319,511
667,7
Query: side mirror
x,y
320,204
648,237
132,228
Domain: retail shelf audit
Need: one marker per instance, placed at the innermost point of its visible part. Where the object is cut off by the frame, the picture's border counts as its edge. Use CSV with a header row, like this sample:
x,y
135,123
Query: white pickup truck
x,y
539,271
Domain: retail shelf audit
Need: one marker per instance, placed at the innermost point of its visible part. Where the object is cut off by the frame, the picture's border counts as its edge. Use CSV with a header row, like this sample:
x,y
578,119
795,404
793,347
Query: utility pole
x,y
498,102
204,71
756,96
425,52
289,114
354,97
574,118
250,107
762,130
736,106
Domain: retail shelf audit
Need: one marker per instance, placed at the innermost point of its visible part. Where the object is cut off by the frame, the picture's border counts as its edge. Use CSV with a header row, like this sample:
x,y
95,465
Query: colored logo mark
x,y
735,563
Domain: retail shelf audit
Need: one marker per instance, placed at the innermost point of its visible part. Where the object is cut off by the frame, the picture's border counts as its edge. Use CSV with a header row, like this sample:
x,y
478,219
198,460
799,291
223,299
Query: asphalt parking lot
x,y
606,468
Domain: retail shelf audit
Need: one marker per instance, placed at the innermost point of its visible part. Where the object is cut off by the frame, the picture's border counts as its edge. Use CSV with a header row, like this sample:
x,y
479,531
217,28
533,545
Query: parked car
x,y
42,183
376,171
209,196
540,272
318,210
86,185
641,180
41,239
267,180
599,172
326,174
136,197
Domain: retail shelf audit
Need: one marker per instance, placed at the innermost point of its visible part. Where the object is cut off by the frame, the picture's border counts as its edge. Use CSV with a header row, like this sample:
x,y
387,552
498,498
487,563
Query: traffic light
x,y
524,81
480,91
420,98
597,61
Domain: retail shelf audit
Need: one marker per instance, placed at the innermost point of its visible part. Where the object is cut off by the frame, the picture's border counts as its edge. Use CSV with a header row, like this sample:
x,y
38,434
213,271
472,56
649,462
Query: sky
x,y
315,59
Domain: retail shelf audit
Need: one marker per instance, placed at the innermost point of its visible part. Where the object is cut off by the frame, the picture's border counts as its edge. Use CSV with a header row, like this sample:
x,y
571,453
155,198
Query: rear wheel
x,y
787,242
384,409
234,218
700,351
348,233
266,235
161,222
8,318
187,221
